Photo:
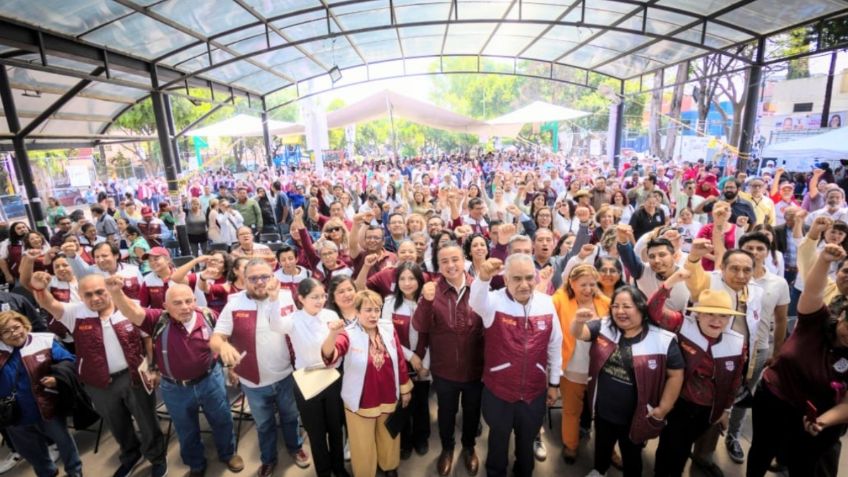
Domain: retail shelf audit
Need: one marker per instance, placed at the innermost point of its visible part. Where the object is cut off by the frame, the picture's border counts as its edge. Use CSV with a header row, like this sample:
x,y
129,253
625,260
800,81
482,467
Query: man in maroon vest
x,y
192,378
456,354
262,360
523,359
109,351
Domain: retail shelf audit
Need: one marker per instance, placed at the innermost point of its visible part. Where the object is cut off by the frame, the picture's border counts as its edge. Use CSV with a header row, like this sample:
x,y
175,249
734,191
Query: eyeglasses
x,y
333,229
608,271
317,297
622,307
259,278
11,331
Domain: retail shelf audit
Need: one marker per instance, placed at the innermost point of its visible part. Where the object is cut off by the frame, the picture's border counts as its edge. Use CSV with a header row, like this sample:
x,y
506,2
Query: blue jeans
x,y
184,403
31,442
265,402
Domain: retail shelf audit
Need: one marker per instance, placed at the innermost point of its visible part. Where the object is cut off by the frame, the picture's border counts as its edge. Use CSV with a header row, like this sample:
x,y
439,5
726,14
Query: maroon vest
x,y
15,253
37,357
516,356
91,354
131,287
243,338
728,360
147,229
649,360
55,326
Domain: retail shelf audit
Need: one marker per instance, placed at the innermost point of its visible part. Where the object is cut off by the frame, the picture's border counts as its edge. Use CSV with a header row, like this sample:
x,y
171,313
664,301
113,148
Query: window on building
x,y
802,107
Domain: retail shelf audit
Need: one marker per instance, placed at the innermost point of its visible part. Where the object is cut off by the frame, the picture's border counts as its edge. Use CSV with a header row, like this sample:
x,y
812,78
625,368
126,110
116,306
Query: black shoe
x,y
126,469
423,448
159,470
708,468
405,454
734,449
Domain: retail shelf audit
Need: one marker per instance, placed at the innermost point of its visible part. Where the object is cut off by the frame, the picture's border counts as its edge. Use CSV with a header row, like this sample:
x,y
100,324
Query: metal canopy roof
x,y
86,61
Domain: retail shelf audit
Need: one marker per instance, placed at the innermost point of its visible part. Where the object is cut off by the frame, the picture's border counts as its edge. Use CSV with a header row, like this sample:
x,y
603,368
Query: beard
x,y
730,195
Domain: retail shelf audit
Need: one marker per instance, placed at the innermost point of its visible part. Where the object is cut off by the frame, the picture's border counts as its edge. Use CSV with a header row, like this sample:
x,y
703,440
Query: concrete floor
x,y
103,463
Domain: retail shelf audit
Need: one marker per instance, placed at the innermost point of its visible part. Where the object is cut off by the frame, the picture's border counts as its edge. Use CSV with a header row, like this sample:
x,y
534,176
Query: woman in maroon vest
x,y
636,372
218,265
26,360
11,250
806,387
714,356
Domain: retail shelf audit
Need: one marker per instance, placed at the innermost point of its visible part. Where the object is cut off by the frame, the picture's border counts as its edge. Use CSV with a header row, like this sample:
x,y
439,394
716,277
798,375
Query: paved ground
x,y
105,461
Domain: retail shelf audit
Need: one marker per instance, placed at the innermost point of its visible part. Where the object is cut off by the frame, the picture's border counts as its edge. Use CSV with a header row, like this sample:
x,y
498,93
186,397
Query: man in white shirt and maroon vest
x,y
151,227
262,360
109,351
192,378
522,360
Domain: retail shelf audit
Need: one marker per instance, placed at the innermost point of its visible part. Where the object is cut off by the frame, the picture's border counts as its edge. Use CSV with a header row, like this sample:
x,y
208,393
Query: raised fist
x,y
69,249
586,251
700,248
833,253
489,268
623,233
40,281
114,283
584,315
428,291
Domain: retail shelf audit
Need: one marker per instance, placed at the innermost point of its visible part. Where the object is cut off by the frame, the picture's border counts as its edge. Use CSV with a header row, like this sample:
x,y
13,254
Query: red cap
x,y
146,211
157,252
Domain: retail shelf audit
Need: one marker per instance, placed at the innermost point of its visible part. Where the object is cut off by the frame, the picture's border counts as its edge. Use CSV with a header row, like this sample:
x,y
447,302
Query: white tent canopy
x,y
534,113
240,125
828,146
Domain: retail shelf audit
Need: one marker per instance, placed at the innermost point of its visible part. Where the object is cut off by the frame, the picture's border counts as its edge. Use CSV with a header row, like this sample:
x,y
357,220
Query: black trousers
x,y
685,423
416,429
448,394
322,417
779,431
503,419
606,435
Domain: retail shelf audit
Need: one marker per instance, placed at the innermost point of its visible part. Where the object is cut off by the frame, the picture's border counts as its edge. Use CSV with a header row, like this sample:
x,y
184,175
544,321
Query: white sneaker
x,y
346,449
539,449
595,473
54,452
10,462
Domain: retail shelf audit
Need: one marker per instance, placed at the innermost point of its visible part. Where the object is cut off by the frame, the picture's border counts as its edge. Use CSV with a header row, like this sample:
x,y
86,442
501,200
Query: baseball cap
x,y
146,211
157,252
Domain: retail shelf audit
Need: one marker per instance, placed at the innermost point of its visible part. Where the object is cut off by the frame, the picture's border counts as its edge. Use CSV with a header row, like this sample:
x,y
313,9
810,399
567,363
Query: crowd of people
x,y
657,301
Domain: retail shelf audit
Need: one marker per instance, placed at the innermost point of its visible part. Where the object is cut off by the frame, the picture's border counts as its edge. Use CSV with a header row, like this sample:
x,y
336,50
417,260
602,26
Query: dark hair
x,y
112,248
660,242
306,286
285,249
599,263
735,251
755,237
419,277
434,245
762,228
335,282
15,239
437,249
562,240
474,202
393,214
466,245
27,235
97,209
639,301
231,274
132,229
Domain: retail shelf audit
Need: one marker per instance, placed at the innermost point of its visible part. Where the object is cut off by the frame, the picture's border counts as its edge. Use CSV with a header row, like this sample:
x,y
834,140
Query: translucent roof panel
x,y
139,35
71,17
479,10
764,16
467,38
362,15
408,11
268,8
541,10
262,82
699,7
207,17
546,49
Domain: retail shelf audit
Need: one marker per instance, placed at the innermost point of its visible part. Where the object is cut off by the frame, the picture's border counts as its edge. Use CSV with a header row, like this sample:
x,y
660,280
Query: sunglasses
x,y
333,229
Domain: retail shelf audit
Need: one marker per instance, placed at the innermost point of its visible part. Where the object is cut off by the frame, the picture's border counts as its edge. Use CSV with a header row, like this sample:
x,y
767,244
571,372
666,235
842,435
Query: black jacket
x,y
73,400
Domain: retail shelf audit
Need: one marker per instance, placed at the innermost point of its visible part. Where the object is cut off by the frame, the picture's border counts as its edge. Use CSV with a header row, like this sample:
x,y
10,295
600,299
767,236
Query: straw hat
x,y
581,193
716,302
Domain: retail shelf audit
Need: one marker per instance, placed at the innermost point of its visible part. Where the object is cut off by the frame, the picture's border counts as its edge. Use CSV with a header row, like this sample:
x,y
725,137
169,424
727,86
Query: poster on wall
x,y
804,121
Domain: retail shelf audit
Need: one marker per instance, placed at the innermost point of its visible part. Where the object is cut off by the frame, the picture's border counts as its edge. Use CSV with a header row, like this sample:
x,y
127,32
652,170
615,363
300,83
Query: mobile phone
x,y
812,412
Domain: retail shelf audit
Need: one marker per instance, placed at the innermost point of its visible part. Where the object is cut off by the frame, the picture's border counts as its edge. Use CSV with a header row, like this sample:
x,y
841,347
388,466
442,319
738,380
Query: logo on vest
x,y
541,325
128,327
241,314
40,358
509,321
652,364
86,327
127,283
841,366
729,365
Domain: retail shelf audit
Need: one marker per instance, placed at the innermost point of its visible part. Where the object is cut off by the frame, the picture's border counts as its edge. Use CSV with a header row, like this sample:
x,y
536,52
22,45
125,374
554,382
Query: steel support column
x,y
266,137
35,211
749,114
618,134
828,91
172,132
162,130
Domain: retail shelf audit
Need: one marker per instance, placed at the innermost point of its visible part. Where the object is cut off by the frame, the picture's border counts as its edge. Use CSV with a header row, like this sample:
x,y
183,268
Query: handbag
x,y
395,422
10,410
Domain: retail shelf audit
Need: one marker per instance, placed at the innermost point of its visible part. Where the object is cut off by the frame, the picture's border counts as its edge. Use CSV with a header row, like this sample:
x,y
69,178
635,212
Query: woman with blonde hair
x,y
335,231
579,291
374,382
